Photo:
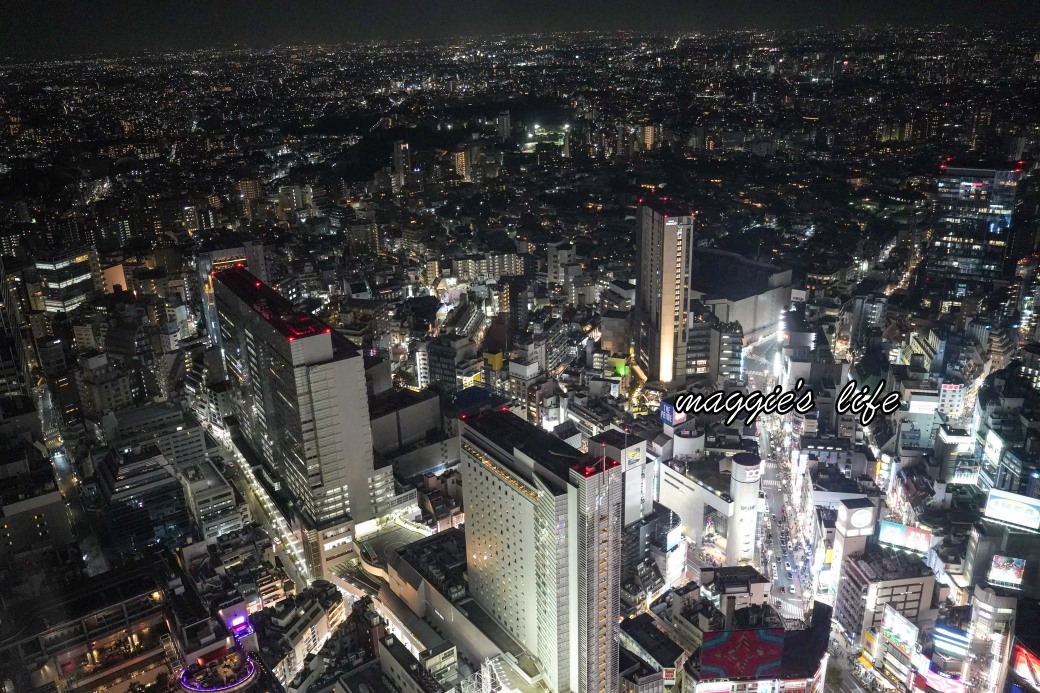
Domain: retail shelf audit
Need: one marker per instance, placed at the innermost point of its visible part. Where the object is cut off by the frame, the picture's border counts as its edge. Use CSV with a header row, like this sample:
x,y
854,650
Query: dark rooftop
x,y
509,431
394,400
645,632
277,310
616,438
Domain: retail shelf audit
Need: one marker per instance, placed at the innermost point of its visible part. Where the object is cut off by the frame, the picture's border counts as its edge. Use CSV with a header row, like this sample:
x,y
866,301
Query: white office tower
x,y
299,396
665,255
745,481
543,545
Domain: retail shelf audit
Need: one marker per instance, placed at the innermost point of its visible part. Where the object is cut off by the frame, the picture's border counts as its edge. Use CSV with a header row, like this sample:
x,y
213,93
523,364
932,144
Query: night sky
x,y
32,28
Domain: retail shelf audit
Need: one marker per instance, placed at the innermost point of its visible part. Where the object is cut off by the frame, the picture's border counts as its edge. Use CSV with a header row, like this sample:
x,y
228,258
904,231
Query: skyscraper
x,y
402,162
971,239
665,255
299,396
543,540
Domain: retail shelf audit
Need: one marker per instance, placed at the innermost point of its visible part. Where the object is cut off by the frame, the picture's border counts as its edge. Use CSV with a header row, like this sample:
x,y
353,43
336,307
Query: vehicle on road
x,y
787,565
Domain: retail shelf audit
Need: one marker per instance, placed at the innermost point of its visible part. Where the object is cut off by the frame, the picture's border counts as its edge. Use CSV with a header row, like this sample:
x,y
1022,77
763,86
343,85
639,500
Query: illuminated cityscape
x,y
366,367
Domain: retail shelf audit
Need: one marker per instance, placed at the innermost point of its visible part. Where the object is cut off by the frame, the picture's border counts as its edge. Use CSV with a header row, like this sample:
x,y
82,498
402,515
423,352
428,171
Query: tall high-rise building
x,y
543,546
971,240
560,255
665,255
250,255
299,396
67,277
504,126
402,162
464,163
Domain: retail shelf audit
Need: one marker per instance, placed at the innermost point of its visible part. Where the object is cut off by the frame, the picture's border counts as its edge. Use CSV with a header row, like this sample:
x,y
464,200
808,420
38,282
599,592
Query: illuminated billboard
x,y
670,416
905,537
994,447
922,407
633,457
1026,666
742,654
899,631
933,680
965,474
1013,509
949,641
1006,570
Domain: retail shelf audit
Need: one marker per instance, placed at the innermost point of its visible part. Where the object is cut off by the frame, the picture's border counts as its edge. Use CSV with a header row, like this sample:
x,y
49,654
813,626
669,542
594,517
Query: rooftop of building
x,y
277,310
272,624
643,629
393,400
31,482
424,679
440,558
472,400
856,503
615,438
59,605
15,405
732,579
832,479
883,564
666,206
632,667
804,649
510,432
707,471
203,475
729,275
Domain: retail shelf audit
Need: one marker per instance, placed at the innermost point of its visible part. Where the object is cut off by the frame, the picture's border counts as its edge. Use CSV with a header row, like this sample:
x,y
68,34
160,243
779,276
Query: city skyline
x,y
381,367
58,28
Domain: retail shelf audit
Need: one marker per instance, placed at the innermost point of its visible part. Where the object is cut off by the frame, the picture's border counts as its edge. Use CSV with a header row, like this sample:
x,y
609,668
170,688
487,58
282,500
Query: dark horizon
x,y
56,28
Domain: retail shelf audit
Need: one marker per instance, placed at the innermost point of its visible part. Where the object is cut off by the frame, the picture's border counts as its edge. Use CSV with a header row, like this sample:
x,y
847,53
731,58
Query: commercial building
x,y
66,279
878,577
741,290
300,399
215,506
664,249
77,639
33,513
143,500
250,255
404,670
297,627
543,546
176,434
716,497
972,238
